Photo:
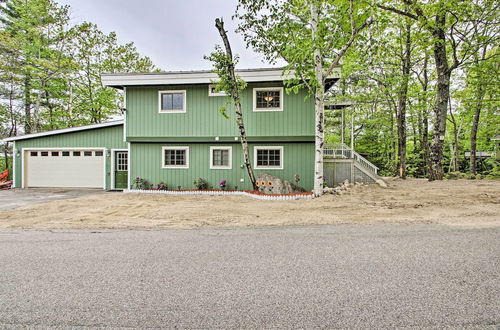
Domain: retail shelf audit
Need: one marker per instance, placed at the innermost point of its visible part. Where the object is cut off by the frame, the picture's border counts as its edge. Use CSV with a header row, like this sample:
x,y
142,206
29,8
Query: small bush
x,y
455,175
162,186
141,184
201,184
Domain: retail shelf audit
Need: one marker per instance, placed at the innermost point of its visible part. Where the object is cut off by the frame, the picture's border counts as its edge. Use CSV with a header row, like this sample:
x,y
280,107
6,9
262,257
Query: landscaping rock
x,y
270,184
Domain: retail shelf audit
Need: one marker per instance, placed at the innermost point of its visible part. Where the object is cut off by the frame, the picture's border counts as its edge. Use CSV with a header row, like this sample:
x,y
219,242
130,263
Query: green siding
x,y
202,118
106,137
146,160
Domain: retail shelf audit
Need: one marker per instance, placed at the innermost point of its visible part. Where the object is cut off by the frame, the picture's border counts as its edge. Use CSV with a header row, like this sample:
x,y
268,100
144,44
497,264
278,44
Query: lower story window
x,y
268,157
220,157
175,157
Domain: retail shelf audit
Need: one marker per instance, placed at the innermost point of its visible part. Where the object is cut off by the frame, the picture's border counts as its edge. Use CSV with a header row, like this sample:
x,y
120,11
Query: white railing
x,y
341,150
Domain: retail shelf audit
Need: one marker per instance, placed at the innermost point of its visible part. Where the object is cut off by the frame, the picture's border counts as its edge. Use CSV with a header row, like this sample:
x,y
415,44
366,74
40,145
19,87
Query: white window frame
x,y
183,91
255,90
282,157
230,158
210,93
163,165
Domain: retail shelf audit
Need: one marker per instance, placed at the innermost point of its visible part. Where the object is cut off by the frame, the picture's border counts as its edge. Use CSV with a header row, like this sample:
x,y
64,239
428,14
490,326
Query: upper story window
x,y
175,157
221,158
172,101
268,158
212,91
268,99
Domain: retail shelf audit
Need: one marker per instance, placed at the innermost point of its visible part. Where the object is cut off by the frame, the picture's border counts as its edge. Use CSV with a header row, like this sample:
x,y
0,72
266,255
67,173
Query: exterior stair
x,y
342,163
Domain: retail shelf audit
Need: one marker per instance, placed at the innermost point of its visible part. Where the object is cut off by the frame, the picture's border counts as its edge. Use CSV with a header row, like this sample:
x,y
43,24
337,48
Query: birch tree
x,y
224,65
312,37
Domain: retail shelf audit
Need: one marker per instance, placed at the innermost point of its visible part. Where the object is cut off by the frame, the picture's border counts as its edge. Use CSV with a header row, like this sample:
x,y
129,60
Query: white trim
x,y
64,130
230,160
112,183
24,150
282,158
125,114
14,156
210,93
174,166
180,91
128,165
212,192
198,77
254,98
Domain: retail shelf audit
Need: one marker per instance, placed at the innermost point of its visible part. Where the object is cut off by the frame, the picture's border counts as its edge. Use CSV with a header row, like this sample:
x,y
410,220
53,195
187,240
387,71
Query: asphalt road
x,y
343,276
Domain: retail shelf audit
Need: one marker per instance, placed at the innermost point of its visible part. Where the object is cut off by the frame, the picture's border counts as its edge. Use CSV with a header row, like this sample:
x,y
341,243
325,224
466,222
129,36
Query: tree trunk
x,y
319,106
27,104
237,103
441,104
402,100
477,114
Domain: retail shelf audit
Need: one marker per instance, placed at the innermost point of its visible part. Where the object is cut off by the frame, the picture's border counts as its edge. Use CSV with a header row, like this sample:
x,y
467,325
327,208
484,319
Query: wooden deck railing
x,y
344,152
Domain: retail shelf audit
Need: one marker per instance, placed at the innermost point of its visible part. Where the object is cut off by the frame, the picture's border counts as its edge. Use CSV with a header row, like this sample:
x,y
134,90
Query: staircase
x,y
342,163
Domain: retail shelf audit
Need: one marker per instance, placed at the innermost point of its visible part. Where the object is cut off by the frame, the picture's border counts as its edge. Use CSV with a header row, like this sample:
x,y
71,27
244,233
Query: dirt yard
x,y
454,202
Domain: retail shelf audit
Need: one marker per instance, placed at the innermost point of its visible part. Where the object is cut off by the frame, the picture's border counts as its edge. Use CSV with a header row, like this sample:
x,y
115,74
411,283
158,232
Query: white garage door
x,y
64,168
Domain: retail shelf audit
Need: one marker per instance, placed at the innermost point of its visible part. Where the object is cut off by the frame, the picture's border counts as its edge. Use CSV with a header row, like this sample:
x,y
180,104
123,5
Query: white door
x,y
64,168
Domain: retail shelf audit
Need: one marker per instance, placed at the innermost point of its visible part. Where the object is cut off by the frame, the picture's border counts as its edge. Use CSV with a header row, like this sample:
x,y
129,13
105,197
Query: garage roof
x,y
64,131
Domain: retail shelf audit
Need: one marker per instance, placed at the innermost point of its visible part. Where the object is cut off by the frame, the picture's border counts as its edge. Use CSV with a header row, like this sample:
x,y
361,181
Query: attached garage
x,y
80,157
77,168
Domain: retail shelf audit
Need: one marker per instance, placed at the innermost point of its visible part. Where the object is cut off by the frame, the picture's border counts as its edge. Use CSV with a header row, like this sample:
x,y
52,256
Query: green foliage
x,y
231,87
141,184
201,184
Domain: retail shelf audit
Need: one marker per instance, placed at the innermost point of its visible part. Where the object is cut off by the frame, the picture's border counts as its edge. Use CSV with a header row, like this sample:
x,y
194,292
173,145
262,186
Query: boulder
x,y
270,184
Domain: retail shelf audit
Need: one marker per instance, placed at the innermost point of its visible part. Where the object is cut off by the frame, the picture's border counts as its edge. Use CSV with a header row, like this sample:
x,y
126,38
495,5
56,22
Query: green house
x,y
173,132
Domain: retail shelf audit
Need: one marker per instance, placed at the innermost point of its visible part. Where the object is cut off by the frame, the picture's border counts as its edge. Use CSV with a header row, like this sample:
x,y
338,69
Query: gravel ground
x,y
333,276
455,202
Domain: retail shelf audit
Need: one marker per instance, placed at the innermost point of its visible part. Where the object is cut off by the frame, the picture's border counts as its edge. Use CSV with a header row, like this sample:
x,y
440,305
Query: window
x,y
98,153
65,153
268,99
44,153
87,153
33,154
212,91
76,153
172,101
221,157
55,153
122,161
175,157
268,158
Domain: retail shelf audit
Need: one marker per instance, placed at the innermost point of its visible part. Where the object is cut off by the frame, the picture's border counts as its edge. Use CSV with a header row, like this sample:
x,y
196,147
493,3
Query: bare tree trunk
x,y
219,24
441,105
27,104
477,114
319,106
402,100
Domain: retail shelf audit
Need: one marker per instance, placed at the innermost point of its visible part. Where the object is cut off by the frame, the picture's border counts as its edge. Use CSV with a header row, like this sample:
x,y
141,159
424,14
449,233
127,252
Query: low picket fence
x,y
255,195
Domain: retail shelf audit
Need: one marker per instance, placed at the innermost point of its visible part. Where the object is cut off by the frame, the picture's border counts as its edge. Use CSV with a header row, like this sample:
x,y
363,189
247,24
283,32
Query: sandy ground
x,y
454,202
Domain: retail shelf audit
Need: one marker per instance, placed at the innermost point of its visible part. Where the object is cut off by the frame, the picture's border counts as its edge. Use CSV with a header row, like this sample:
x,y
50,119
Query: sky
x,y
175,34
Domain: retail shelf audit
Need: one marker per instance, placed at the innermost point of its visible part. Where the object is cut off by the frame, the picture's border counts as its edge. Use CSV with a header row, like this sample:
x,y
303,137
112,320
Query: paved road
x,y
344,276
14,198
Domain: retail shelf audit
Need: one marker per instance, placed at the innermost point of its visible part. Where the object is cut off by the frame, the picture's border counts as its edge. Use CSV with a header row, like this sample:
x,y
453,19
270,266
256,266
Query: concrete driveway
x,y
14,198
333,277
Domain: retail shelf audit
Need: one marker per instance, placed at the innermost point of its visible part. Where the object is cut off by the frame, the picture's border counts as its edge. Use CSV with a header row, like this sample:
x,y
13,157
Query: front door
x,y
121,169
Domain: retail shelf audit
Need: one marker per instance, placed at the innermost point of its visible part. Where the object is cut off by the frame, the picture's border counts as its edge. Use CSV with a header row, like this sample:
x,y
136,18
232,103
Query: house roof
x,y
64,131
120,80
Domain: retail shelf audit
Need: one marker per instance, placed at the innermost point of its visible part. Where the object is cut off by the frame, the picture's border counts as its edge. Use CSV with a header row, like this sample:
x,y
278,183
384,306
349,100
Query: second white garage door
x,y
64,168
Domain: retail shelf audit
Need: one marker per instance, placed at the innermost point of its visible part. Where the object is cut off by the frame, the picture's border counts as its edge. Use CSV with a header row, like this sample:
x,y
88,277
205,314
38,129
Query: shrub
x,y
141,184
201,184
162,186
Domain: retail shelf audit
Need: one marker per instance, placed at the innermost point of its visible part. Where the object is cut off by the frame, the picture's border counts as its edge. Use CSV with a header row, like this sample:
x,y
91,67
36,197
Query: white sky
x,y
175,34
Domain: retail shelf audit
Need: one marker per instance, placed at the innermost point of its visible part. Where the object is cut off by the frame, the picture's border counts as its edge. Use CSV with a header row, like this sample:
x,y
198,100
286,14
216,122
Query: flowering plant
x,y
222,183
